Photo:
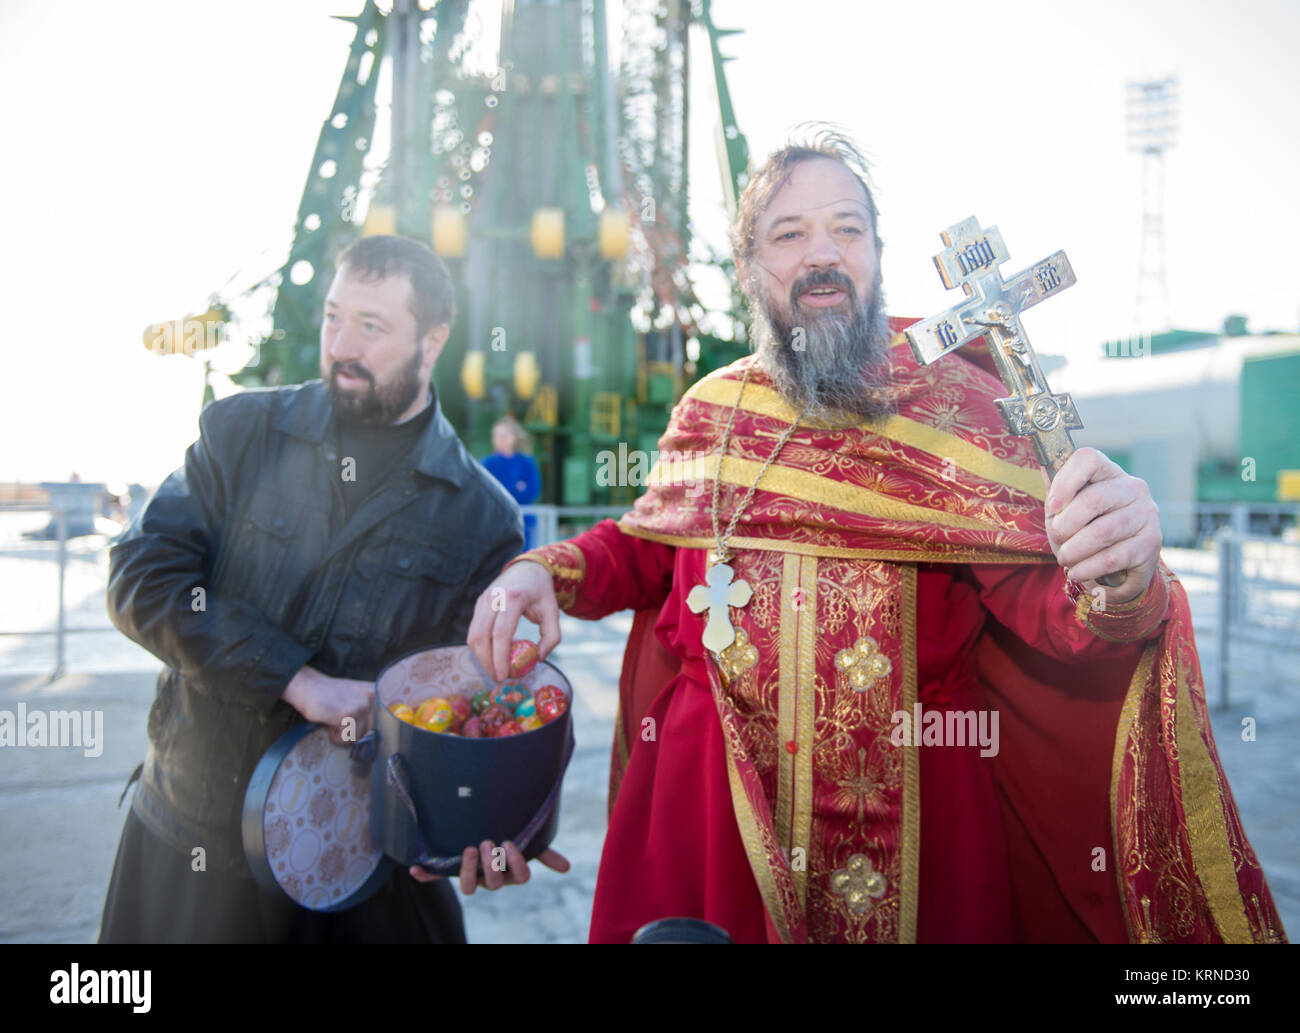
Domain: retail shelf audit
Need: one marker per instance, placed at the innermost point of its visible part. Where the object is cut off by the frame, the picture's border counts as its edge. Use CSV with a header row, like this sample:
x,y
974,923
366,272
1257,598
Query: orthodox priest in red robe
x,y
873,692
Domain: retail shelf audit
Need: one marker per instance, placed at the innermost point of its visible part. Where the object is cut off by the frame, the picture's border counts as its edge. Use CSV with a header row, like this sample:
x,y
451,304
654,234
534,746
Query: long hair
x,y
807,141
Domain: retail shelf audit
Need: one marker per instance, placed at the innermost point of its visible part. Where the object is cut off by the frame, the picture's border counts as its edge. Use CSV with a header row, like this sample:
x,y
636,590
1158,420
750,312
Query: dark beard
x,y
838,366
377,407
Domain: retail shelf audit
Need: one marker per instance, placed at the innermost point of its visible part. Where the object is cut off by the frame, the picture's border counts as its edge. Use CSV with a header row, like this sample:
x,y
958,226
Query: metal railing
x,y
1188,522
36,596
1258,609
555,523
34,571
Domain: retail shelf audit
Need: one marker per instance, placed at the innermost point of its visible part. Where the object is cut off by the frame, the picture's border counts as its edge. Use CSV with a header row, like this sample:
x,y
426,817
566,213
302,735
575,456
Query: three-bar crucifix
x,y
993,307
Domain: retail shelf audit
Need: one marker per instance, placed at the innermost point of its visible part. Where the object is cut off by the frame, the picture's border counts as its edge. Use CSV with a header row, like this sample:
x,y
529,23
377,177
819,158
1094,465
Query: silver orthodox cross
x,y
993,307
716,596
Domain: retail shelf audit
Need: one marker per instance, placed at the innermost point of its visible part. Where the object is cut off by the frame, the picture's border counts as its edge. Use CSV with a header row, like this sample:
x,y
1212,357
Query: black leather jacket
x,y
255,520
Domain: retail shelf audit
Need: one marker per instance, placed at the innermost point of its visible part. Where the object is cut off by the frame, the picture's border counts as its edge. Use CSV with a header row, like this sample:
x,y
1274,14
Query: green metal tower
x,y
555,188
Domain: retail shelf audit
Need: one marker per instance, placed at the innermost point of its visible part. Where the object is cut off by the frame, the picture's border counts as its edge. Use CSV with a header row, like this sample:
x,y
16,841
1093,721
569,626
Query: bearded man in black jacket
x,y
315,533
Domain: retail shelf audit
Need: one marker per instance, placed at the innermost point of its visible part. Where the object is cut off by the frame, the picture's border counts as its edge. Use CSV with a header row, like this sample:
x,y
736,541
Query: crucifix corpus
x,y
992,307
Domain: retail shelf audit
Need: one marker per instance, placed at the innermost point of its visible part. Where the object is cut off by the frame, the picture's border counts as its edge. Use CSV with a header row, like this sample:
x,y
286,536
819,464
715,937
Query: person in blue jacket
x,y
516,470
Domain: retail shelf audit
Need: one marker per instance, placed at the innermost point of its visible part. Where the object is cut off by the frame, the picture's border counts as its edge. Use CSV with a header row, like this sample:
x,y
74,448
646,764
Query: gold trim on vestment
x,y
622,749
749,835
787,694
787,690
796,710
1127,717
909,862
805,715
764,401
1206,829
566,577
812,487
810,549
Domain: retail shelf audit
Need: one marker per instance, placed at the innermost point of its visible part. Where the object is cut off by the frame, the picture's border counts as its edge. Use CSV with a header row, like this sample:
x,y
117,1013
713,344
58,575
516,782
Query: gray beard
x,y
837,370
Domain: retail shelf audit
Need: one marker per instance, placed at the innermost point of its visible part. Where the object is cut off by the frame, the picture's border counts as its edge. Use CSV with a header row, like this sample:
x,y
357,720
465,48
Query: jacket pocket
x,y
418,586
257,548
412,559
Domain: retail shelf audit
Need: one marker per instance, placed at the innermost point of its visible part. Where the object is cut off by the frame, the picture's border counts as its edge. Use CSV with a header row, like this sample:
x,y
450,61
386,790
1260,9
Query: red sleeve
x,y
604,570
1060,619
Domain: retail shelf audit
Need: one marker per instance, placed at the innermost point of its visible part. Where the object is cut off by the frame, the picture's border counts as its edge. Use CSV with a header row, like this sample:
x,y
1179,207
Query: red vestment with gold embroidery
x,y
922,732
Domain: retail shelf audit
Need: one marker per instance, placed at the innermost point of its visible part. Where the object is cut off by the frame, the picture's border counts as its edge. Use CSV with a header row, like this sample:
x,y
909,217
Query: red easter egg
x,y
523,657
460,706
551,702
511,727
549,692
549,712
473,728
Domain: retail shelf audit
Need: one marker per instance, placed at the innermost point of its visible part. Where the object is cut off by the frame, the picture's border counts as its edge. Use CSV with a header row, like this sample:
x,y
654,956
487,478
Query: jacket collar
x,y
310,416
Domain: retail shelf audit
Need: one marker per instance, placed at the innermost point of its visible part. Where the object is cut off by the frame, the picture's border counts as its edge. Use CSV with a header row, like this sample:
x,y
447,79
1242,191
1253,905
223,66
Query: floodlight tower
x,y
1152,124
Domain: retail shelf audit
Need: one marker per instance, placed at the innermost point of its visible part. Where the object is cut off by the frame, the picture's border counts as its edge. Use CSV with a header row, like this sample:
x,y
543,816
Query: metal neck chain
x,y
722,538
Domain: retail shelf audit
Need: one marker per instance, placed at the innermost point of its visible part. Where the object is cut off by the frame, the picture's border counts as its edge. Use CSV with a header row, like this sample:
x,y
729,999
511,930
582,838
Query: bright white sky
x,y
157,149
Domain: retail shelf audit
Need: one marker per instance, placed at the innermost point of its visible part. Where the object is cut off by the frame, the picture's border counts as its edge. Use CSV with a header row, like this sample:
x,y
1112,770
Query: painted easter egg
x,y
403,712
493,718
435,714
508,696
523,657
551,702
461,708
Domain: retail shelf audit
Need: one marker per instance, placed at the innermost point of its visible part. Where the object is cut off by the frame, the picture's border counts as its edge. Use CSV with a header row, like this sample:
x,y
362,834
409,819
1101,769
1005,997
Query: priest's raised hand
x,y
1102,521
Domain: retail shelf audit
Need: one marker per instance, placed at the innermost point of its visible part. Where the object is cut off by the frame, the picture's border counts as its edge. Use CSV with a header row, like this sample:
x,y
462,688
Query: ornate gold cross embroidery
x,y
738,657
860,787
859,883
864,663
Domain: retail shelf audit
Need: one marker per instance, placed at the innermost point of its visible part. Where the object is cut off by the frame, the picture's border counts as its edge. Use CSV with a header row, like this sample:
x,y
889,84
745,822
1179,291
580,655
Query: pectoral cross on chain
x,y
715,596
993,307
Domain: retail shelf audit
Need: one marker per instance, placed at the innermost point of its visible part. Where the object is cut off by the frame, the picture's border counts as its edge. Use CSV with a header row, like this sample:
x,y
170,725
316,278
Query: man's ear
x,y
432,344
